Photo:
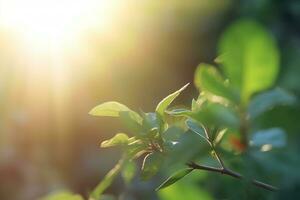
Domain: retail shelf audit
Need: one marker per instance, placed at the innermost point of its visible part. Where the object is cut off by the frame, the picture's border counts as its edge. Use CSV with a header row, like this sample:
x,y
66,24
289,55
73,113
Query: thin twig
x,y
231,173
219,158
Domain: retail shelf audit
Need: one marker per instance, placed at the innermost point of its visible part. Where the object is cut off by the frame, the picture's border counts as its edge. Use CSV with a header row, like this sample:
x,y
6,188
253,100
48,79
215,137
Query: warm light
x,y
48,22
47,38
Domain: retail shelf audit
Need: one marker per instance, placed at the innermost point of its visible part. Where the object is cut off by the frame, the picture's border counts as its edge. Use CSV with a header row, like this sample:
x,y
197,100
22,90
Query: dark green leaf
x,y
267,139
150,121
214,114
151,165
267,100
174,178
172,133
197,128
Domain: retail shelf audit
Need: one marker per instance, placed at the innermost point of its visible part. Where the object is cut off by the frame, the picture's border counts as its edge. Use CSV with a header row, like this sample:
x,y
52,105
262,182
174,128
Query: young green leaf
x,y
62,196
174,178
118,139
194,105
179,112
250,57
151,165
164,104
113,109
207,78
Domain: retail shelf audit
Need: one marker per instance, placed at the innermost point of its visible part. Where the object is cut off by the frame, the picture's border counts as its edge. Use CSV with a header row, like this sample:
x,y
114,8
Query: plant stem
x,y
231,173
244,128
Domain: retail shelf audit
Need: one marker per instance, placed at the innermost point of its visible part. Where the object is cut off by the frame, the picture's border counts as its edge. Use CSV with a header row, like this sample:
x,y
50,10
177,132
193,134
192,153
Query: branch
x,y
231,173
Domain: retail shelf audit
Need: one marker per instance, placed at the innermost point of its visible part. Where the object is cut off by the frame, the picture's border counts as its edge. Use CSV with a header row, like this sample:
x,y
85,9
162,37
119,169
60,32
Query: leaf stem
x,y
231,173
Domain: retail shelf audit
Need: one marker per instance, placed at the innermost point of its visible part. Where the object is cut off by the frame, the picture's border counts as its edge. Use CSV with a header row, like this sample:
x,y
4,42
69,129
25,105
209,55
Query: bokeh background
x,y
59,59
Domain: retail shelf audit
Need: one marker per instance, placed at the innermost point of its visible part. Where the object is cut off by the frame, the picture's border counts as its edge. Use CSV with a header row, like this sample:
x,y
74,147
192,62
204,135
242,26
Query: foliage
x,y
223,116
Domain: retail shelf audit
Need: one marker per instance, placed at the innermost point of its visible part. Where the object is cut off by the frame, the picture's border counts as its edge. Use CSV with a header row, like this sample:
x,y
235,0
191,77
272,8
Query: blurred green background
x,y
134,52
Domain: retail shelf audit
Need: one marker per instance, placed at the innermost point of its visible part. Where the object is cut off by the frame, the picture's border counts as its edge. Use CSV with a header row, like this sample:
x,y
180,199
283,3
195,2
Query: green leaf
x,y
197,128
250,57
194,105
185,191
113,109
151,165
207,78
128,171
164,104
172,133
179,112
267,100
150,121
62,196
274,137
215,114
130,121
135,149
174,178
219,136
118,139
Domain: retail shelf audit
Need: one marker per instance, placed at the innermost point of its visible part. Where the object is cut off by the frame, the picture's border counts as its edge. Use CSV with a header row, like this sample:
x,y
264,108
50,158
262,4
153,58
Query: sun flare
x,y
51,22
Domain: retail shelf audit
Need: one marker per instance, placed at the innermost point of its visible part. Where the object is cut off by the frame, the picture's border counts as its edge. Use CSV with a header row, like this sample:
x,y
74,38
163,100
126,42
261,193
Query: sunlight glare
x,y
41,22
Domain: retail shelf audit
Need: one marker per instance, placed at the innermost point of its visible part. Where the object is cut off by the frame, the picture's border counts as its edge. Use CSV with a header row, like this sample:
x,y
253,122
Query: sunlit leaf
x,y
164,104
194,105
62,196
184,191
274,137
179,112
118,139
207,78
113,109
250,57
267,100
174,178
219,136
151,165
